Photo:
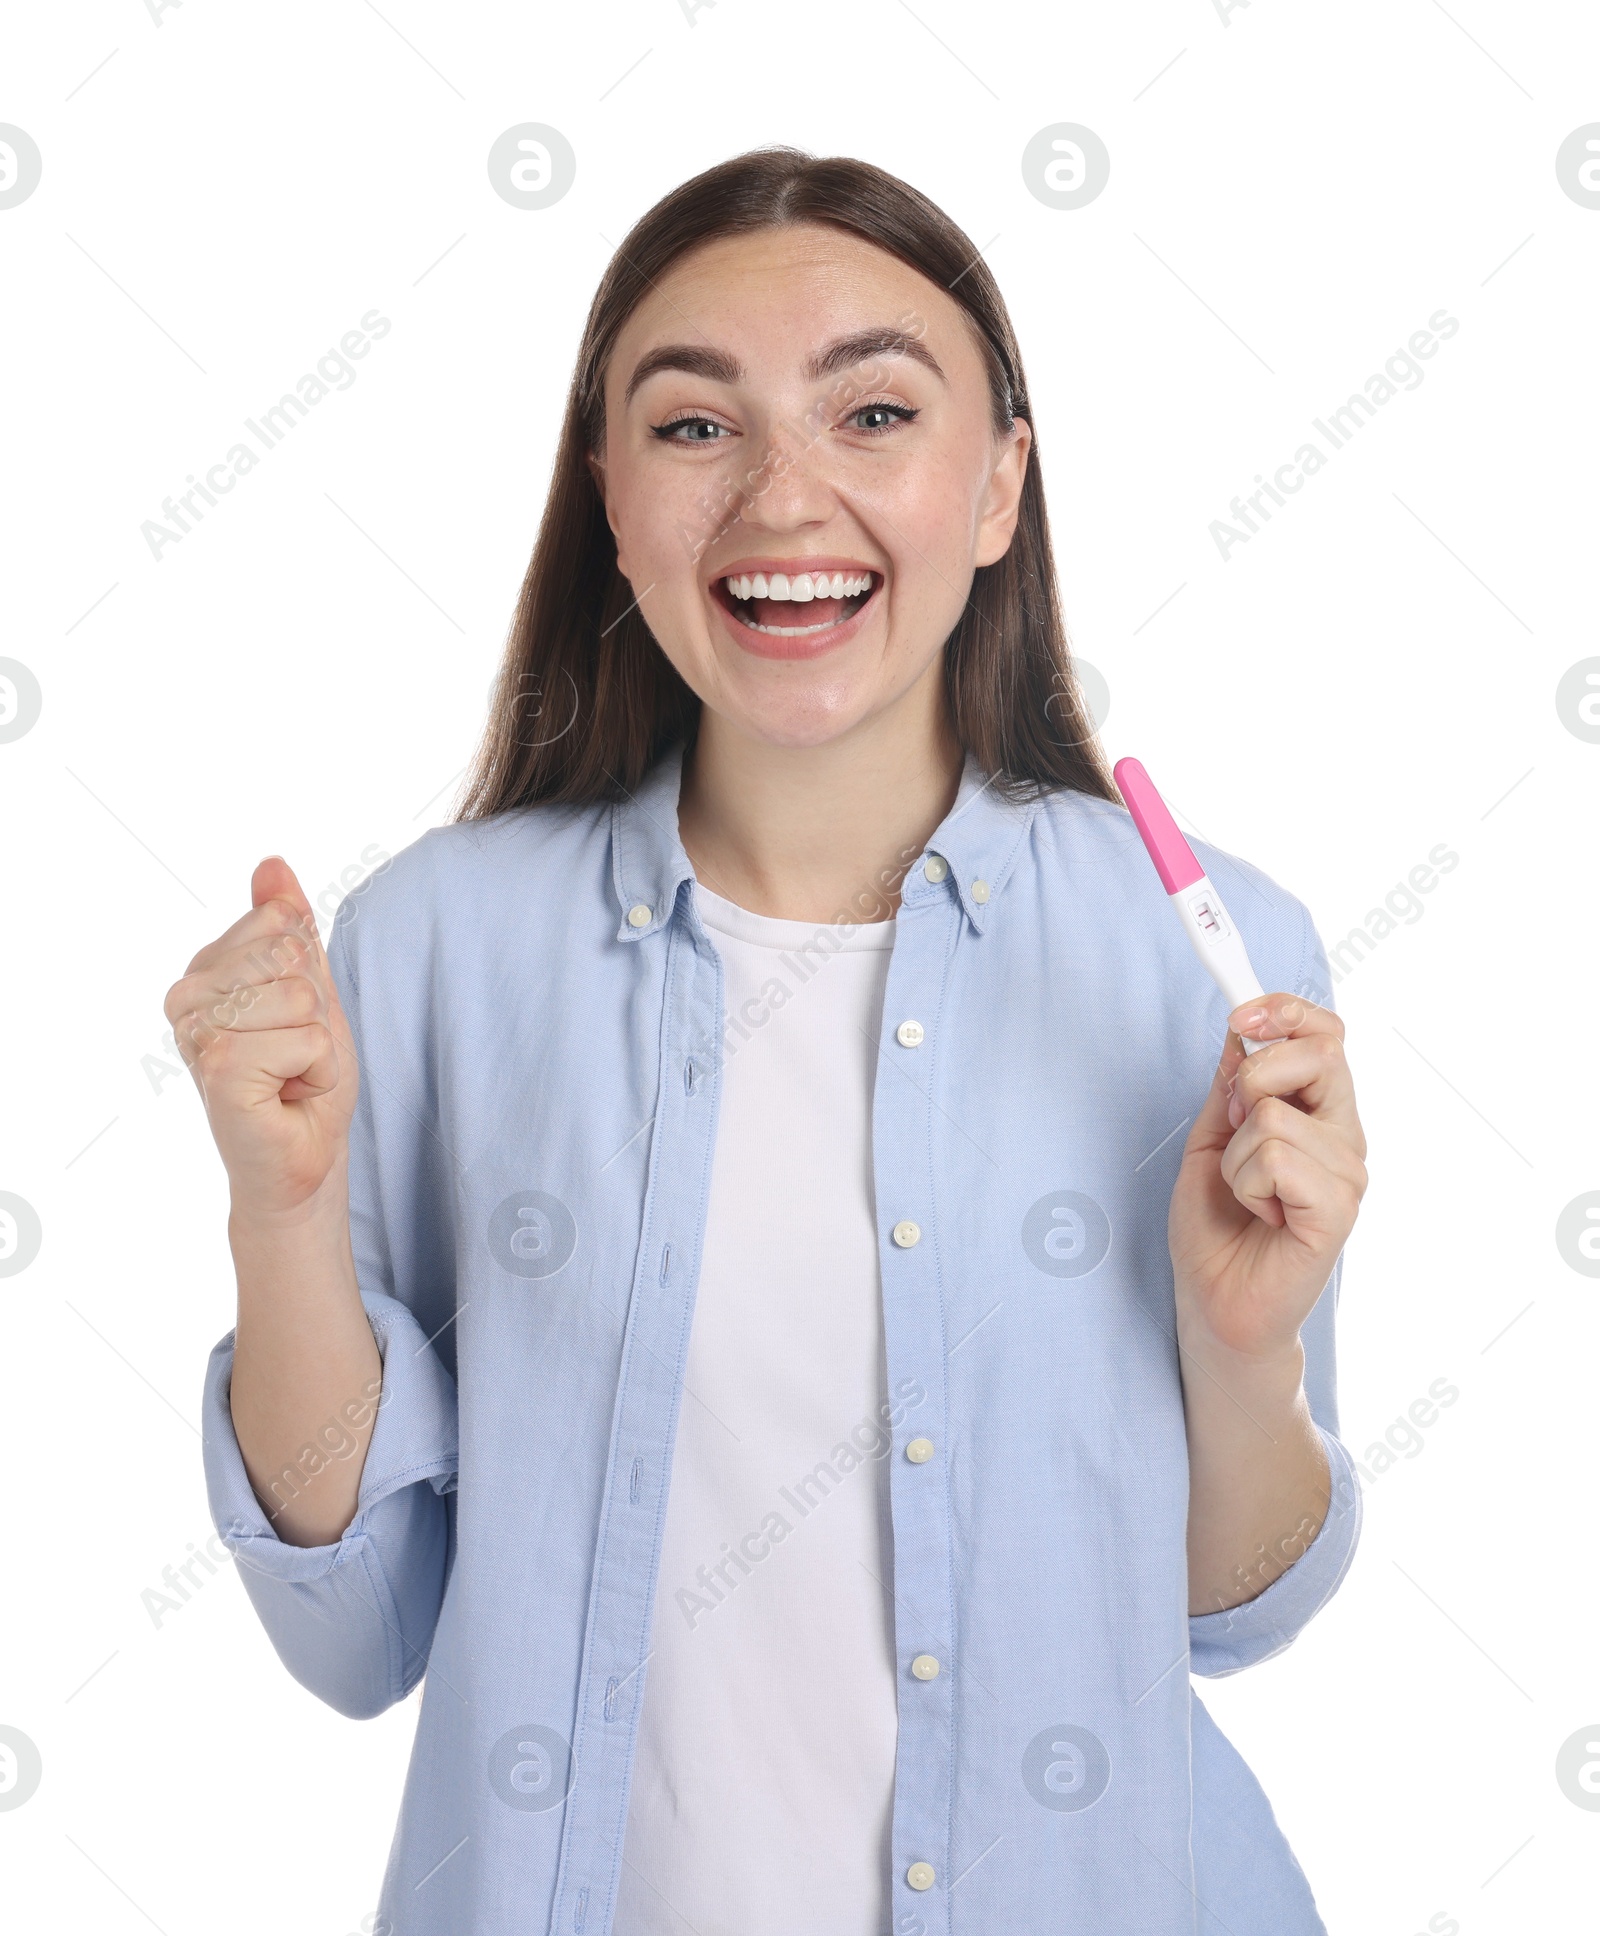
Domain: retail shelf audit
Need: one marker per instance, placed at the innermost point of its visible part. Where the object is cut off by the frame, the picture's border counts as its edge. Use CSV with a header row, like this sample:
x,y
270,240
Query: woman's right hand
x,y
257,1019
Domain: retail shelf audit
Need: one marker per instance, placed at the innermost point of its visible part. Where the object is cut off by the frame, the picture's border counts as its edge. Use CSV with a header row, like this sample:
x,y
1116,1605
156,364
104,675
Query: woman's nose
x,y
788,486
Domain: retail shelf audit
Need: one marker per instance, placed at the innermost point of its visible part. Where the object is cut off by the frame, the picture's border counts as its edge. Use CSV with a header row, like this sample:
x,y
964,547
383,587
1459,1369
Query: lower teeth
x,y
851,607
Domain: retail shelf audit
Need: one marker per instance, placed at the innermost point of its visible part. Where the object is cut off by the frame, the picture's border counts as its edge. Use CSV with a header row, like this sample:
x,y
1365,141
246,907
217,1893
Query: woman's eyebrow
x,y
864,344
715,365
844,353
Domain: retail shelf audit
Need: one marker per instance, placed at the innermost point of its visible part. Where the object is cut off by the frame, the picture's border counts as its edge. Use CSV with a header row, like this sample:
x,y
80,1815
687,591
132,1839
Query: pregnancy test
x,y
1216,940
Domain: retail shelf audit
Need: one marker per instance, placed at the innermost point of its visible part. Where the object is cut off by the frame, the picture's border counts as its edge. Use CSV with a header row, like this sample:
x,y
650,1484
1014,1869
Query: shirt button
x,y
920,1451
909,1034
980,891
638,915
935,867
906,1233
925,1667
920,1875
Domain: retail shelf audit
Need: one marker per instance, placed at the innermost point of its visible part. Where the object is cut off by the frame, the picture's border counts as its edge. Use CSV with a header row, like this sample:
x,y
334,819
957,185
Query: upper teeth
x,y
802,586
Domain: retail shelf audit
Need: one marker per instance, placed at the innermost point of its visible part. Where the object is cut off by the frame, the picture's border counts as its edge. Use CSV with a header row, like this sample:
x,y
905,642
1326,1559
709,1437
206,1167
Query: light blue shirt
x,y
538,1013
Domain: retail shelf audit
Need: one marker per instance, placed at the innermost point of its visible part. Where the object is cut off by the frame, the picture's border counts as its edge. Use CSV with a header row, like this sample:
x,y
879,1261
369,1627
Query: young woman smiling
x,y
722,1286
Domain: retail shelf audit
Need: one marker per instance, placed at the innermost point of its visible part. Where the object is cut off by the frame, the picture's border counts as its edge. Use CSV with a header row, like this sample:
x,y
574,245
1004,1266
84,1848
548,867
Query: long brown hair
x,y
587,701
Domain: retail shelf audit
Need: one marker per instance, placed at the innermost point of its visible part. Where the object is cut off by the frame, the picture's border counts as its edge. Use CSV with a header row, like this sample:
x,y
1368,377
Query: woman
x,y
722,1285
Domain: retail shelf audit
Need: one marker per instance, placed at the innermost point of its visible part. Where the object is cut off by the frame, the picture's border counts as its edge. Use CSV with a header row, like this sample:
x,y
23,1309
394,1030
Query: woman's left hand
x,y
1270,1182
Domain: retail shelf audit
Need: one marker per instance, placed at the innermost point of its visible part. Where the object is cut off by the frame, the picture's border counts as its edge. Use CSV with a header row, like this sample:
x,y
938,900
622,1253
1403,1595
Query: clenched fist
x,y
258,1022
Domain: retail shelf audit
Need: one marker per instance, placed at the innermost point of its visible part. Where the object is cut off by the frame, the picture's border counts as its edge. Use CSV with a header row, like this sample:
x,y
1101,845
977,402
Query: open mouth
x,y
794,606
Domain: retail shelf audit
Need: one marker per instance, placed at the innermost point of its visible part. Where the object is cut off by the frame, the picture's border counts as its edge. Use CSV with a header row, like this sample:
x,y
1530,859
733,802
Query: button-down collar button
x,y
909,1034
920,1875
936,867
980,891
920,1451
925,1667
638,915
906,1233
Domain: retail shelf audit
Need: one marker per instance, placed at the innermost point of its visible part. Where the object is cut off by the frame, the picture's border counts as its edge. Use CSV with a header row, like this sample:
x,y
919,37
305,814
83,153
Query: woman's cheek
x,y
686,519
937,520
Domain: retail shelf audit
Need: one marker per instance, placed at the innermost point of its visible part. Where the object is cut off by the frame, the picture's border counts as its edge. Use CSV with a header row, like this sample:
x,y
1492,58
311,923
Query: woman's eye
x,y
695,425
888,415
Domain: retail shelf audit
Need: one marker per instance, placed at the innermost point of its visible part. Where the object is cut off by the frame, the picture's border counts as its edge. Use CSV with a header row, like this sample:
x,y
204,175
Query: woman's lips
x,y
781,628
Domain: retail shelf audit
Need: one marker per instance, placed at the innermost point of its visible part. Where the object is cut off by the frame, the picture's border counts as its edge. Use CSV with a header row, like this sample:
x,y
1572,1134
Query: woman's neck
x,y
820,833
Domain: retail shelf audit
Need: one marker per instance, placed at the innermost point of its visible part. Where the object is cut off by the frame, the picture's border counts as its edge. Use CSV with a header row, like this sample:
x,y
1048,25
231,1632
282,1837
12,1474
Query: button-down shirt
x,y
538,1014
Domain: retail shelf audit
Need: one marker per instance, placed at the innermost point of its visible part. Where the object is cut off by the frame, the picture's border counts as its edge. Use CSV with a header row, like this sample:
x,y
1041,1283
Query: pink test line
x,y
1172,854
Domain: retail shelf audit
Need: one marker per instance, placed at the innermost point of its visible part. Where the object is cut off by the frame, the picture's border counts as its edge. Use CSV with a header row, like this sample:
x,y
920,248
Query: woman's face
x,y
797,412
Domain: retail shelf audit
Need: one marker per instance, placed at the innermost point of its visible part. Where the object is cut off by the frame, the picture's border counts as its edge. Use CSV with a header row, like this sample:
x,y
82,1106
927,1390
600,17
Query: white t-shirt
x,y
763,1782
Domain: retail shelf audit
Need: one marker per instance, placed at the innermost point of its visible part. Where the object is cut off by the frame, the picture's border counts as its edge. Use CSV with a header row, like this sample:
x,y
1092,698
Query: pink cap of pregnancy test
x,y
1172,854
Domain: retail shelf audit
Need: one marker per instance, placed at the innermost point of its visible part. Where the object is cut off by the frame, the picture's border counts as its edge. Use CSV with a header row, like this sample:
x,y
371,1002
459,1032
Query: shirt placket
x,y
655,1343
927,1664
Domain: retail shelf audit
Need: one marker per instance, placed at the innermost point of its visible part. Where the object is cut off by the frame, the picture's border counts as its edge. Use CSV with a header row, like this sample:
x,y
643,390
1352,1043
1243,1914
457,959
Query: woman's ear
x,y
597,470
1003,500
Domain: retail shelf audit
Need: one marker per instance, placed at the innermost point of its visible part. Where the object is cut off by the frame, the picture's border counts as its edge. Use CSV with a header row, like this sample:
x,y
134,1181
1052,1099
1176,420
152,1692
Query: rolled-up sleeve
x,y
1237,1637
352,1621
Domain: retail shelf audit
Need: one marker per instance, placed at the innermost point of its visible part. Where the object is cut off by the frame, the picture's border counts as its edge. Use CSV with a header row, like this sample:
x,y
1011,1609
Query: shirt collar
x,y
648,864
977,842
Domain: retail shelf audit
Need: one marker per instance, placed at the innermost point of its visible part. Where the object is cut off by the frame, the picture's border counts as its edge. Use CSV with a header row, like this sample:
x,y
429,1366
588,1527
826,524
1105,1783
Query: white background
x,y
1294,190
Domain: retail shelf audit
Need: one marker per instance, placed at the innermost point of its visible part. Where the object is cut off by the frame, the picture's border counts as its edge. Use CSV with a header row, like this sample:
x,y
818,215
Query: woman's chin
x,y
827,710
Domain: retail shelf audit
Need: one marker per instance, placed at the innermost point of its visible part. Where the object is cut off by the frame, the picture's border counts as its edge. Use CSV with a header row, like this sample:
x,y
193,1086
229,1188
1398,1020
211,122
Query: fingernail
x,y
1252,1018
1235,1111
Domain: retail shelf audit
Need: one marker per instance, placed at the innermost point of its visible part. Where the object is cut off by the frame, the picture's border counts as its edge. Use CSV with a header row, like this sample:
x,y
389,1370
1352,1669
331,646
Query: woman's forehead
x,y
788,301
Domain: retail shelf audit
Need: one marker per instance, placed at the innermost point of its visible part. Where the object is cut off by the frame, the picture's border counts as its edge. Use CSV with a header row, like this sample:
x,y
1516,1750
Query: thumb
x,y
274,880
1211,1129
